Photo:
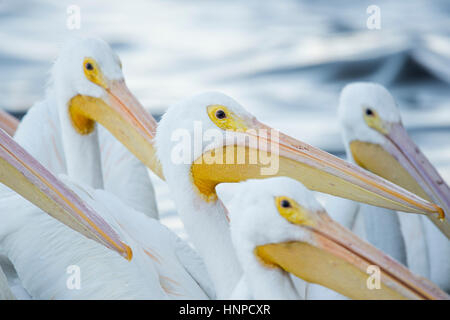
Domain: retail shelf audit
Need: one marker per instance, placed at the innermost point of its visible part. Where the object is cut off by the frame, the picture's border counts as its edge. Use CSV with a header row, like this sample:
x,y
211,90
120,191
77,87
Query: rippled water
x,y
278,58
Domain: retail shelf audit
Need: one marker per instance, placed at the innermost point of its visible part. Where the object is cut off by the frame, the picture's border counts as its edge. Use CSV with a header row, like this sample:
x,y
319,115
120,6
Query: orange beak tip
x,y
441,214
128,254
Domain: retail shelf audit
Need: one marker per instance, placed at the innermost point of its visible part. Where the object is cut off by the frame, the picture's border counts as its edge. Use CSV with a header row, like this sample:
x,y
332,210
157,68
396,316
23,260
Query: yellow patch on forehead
x,y
93,73
374,121
225,119
293,212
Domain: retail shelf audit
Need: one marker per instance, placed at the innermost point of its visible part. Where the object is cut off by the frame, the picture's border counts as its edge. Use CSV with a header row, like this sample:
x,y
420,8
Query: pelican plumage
x,y
194,163
166,268
375,139
88,87
37,187
162,265
278,227
123,174
5,290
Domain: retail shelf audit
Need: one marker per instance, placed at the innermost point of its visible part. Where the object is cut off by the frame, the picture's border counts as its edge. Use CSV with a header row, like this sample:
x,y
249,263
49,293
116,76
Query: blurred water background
x,y
284,60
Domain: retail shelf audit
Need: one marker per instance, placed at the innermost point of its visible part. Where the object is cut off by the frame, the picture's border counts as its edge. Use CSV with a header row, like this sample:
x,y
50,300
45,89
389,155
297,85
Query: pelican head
x,y
210,139
90,83
277,223
377,141
23,174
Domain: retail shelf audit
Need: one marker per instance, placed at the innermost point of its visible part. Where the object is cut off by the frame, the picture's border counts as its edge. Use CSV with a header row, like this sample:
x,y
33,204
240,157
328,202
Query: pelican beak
x,y
8,123
23,174
336,258
122,114
399,160
262,152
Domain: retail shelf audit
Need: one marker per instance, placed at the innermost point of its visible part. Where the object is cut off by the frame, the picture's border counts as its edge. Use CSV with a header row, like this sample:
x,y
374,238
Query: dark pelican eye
x,y
89,66
369,112
285,204
220,114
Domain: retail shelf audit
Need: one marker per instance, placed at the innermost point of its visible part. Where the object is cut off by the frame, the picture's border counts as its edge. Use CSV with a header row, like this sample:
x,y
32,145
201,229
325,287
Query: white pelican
x,y
88,85
376,140
123,174
162,266
192,176
20,172
277,226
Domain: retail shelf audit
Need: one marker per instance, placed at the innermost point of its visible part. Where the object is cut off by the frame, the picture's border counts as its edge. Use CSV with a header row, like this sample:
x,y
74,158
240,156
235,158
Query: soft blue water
x,y
277,58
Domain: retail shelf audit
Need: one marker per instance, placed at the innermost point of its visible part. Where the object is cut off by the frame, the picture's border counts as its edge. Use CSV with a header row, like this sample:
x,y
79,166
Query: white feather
x,y
159,269
205,222
254,221
47,134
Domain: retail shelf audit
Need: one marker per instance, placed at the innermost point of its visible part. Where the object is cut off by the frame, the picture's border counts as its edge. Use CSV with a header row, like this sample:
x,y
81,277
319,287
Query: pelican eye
x,y
89,66
293,212
93,73
224,118
285,203
220,114
373,120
